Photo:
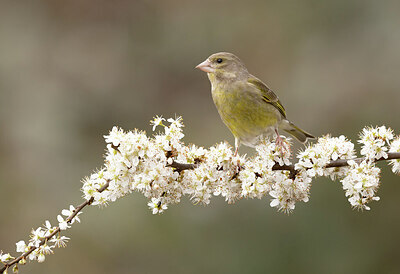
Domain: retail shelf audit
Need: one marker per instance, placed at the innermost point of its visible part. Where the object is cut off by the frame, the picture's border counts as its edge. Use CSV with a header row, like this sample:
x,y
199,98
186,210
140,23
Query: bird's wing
x,y
268,95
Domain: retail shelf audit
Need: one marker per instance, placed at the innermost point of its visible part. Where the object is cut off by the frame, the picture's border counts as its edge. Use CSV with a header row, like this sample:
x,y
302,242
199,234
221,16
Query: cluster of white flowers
x,y
374,141
164,169
287,191
314,158
361,180
44,239
284,187
395,147
361,183
135,162
215,175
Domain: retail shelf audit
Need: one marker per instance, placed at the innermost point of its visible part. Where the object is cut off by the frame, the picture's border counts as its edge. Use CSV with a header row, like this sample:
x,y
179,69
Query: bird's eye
x,y
219,60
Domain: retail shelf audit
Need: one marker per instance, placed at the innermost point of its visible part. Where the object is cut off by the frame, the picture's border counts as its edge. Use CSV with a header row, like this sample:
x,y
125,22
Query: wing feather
x,y
268,95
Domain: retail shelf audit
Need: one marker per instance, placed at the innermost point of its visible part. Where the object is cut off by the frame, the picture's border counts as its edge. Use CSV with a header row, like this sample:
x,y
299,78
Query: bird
x,y
247,106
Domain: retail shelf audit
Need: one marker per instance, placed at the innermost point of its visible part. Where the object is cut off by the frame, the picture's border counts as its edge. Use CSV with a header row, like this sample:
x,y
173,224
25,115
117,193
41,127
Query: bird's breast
x,y
243,110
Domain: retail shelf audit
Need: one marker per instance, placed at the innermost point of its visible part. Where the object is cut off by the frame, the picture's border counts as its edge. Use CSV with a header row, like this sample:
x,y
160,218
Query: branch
x,y
181,167
338,163
343,162
135,162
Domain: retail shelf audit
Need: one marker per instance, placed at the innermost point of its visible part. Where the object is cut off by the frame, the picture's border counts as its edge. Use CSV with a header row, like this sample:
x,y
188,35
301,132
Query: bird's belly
x,y
246,115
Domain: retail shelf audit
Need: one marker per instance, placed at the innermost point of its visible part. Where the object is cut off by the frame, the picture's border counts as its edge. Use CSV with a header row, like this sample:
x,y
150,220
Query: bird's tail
x,y
295,131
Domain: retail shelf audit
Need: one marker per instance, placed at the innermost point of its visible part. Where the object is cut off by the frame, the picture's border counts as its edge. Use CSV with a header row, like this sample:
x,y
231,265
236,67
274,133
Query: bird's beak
x,y
205,66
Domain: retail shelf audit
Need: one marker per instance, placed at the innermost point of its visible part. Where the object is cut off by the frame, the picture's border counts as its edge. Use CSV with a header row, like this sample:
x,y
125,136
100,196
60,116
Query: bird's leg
x,y
237,144
280,143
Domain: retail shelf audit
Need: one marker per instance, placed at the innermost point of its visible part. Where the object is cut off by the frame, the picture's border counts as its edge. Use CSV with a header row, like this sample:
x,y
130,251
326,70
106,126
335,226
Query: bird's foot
x,y
237,168
281,144
236,158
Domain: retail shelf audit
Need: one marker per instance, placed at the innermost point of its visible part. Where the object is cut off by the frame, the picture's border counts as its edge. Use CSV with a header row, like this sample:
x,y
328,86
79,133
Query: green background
x,y
70,70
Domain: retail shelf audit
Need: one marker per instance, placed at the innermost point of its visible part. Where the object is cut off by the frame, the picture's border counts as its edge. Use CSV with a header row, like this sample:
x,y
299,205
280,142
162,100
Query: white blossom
x,y
287,191
33,255
157,206
115,137
48,228
59,241
21,246
62,224
5,257
37,236
361,183
40,258
313,160
69,212
395,147
374,141
45,249
157,121
315,157
272,154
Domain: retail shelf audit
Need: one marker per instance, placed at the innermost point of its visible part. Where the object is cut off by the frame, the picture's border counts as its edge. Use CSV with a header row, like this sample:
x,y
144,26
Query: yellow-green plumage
x,y
244,113
246,105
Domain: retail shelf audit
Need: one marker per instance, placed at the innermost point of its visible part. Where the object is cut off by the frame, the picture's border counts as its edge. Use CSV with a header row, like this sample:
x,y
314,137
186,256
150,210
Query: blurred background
x,y
70,70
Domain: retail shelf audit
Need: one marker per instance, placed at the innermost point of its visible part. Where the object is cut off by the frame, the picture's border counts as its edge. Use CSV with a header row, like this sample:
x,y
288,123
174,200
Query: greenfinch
x,y
247,106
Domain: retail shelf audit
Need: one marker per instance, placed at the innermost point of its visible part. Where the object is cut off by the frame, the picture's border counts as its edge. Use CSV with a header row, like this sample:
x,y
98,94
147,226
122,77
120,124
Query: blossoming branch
x,y
164,169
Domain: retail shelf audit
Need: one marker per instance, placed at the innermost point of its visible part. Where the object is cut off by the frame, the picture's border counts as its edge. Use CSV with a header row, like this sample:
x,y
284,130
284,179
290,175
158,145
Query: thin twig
x,y
45,239
181,167
344,162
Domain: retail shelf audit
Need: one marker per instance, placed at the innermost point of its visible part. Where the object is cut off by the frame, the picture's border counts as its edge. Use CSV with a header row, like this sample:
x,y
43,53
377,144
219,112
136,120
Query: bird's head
x,y
223,66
